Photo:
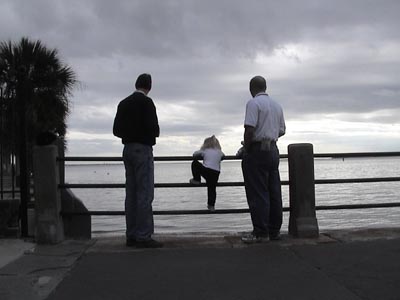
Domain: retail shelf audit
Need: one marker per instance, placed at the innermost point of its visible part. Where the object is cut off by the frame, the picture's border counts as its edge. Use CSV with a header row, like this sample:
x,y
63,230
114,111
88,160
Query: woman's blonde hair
x,y
211,142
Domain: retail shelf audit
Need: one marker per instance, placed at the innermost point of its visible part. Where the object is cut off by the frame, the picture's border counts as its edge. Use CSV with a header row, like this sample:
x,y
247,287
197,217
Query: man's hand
x,y
248,136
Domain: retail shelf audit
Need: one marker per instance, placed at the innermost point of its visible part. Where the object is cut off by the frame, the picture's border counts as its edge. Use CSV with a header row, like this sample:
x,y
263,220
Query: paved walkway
x,y
339,265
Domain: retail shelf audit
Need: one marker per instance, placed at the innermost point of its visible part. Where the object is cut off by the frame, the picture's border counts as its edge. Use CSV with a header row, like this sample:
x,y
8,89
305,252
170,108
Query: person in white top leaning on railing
x,y
212,155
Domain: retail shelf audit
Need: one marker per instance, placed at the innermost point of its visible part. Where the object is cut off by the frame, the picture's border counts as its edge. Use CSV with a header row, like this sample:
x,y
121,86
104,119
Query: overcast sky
x,y
333,65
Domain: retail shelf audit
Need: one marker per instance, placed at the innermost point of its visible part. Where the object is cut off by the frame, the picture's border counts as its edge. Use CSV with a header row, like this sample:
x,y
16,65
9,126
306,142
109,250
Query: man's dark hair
x,y
258,84
143,82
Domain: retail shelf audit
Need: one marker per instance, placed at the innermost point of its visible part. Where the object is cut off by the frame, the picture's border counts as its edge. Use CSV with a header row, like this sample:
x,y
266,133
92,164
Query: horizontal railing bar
x,y
118,158
356,154
220,184
229,211
10,192
356,180
231,157
156,185
89,158
358,206
158,213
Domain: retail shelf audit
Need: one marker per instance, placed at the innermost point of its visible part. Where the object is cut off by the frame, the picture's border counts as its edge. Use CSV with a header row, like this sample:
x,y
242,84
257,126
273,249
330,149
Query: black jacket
x,y
136,120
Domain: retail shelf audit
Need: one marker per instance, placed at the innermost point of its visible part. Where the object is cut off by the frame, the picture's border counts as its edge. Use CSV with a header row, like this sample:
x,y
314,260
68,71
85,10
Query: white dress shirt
x,y
266,116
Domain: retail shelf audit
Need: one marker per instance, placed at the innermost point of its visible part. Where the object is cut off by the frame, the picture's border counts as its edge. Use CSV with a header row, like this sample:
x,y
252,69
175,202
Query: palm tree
x,y
30,68
35,86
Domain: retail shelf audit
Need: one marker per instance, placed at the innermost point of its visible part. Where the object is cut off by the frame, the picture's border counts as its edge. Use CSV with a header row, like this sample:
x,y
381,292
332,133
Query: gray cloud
x,y
320,57
187,28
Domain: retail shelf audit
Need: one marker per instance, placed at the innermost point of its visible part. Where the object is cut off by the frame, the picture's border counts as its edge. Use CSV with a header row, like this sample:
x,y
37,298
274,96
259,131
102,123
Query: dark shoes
x,y
194,181
275,237
211,208
143,244
251,238
130,242
149,244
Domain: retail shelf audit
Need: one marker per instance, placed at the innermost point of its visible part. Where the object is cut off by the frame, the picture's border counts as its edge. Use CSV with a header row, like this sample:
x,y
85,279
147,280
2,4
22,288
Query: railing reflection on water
x,y
227,184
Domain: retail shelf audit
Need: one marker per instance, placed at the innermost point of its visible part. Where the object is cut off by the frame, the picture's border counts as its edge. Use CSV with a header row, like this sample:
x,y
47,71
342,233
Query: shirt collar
x,y
260,94
139,91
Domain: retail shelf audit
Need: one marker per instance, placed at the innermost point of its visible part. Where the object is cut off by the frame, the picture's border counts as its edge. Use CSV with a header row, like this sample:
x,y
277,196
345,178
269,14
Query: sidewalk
x,y
362,264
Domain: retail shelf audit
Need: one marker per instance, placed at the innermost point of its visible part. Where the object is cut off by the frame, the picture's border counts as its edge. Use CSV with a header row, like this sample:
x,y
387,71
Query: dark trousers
x,y
263,189
211,176
139,170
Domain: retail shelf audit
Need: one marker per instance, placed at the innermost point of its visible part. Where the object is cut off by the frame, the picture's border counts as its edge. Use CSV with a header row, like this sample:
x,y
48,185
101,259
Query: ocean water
x,y
234,197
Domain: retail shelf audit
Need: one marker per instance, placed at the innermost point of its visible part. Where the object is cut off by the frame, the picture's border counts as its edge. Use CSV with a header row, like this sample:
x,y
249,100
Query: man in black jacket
x,y
136,123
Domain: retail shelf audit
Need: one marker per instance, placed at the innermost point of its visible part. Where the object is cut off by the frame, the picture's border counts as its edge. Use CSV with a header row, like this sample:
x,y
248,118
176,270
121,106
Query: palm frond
x,y
51,81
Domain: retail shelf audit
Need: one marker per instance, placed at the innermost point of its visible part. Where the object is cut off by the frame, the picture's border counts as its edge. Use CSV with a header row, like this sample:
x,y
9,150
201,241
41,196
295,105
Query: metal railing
x,y
233,184
8,148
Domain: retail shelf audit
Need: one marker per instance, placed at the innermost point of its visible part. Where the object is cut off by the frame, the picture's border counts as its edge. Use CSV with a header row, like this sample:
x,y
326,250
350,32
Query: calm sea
x,y
234,197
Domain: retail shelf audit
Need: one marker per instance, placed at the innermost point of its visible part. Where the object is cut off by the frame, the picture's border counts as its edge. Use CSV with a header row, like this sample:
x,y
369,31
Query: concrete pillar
x,y
302,220
49,225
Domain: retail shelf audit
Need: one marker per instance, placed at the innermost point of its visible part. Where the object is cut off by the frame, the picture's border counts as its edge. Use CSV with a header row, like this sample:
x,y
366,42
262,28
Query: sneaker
x,y
194,181
252,239
211,208
148,244
130,242
275,237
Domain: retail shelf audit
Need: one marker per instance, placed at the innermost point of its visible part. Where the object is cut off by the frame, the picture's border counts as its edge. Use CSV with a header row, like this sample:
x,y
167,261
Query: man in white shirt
x,y
264,124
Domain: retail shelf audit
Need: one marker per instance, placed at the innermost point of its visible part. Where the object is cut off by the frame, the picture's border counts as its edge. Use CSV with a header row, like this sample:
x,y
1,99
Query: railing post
x,y
49,225
61,163
302,220
24,90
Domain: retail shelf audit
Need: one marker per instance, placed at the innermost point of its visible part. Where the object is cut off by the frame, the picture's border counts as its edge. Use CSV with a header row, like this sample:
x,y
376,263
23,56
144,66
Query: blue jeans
x,y
139,172
263,189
